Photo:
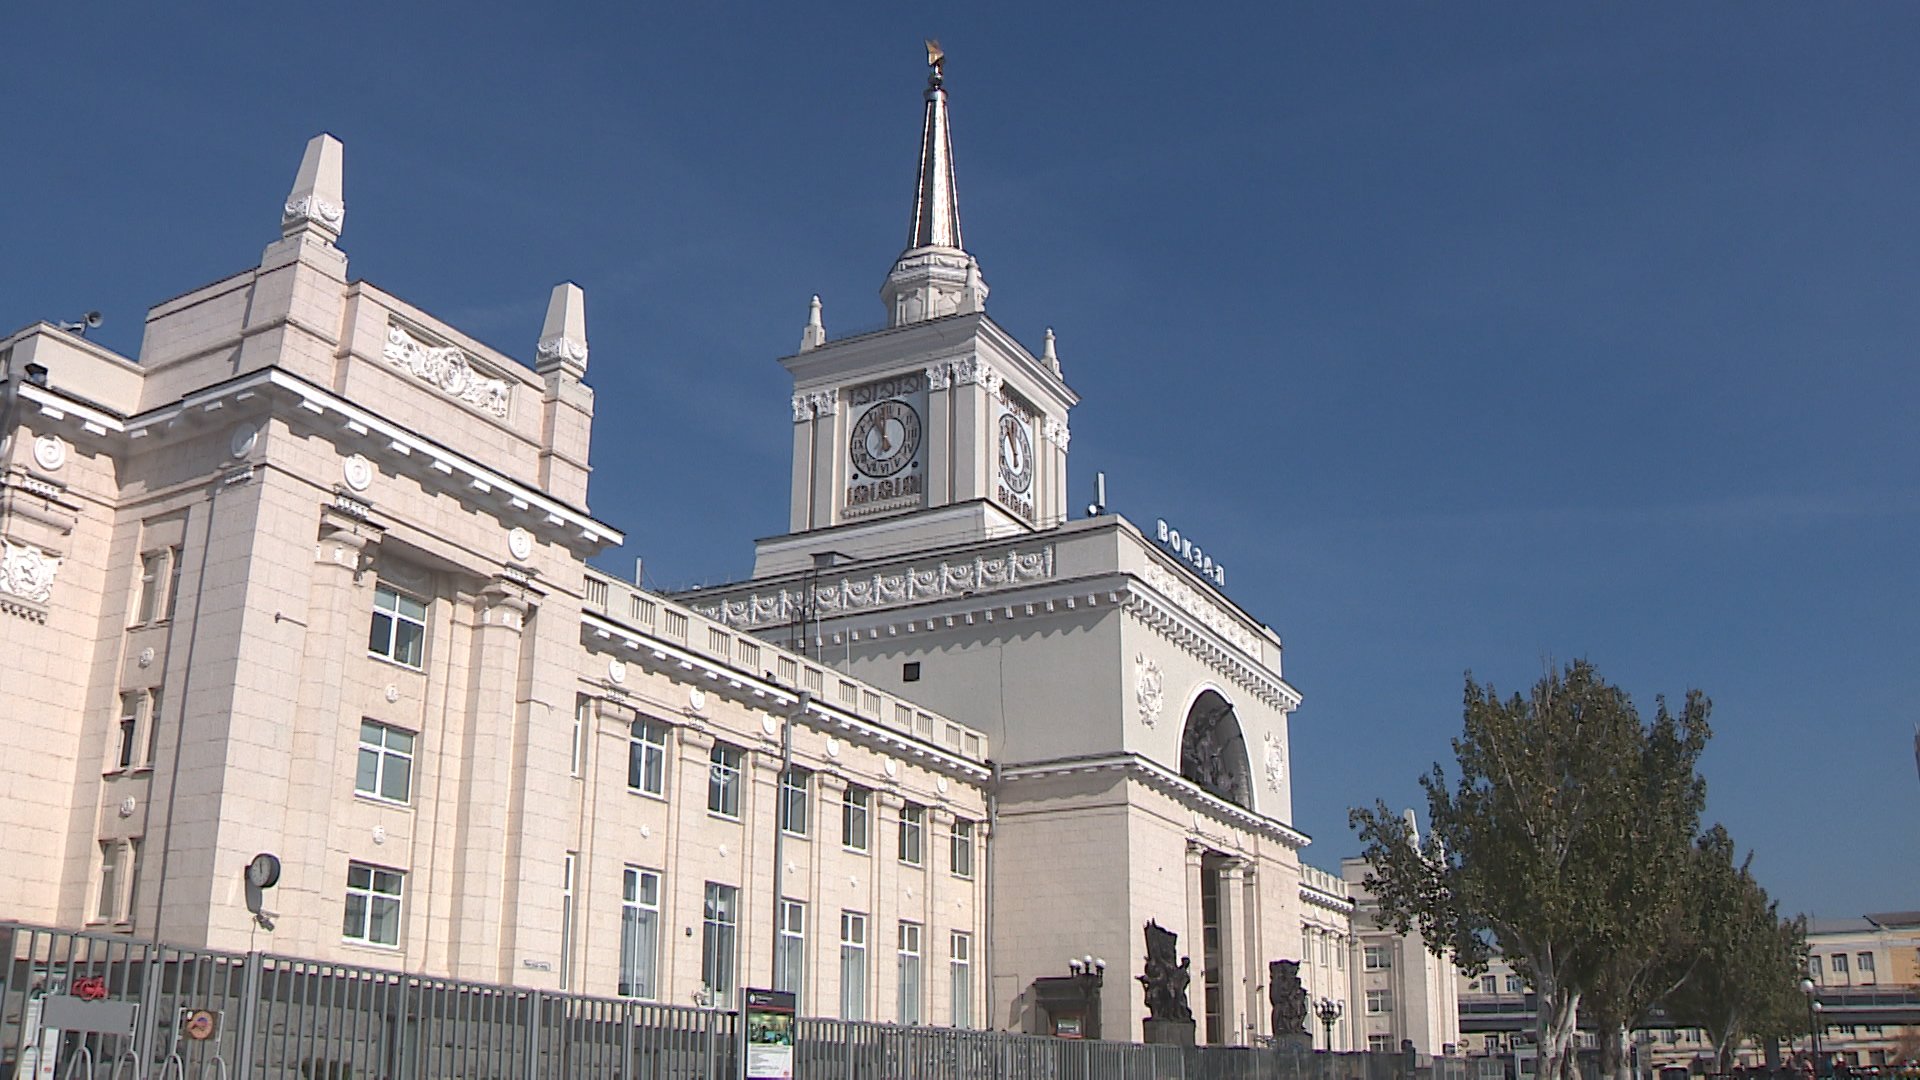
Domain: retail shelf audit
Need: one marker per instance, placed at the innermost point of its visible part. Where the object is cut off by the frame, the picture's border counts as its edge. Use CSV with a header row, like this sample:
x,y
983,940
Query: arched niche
x,y
1213,752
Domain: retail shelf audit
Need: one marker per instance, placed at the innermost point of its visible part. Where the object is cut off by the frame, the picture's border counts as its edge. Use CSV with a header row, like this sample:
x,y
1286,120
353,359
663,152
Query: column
x,y
1233,974
828,462
485,755
800,504
883,924
688,853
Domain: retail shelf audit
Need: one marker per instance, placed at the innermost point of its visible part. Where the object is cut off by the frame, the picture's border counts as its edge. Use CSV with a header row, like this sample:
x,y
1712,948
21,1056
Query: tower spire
x,y
934,276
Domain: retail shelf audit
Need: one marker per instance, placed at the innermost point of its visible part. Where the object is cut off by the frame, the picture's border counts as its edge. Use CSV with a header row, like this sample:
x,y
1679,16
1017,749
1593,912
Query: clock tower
x,y
940,428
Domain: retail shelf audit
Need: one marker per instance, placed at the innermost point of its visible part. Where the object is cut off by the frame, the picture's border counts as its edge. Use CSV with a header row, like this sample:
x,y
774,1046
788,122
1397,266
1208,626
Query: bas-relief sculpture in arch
x,y
1213,747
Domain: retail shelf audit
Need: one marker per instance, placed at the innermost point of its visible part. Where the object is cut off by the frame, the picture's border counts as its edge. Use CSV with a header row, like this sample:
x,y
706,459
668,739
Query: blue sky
x,y
1477,336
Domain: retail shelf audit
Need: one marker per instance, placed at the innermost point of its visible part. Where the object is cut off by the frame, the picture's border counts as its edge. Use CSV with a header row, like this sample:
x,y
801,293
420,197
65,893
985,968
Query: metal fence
x,y
79,1005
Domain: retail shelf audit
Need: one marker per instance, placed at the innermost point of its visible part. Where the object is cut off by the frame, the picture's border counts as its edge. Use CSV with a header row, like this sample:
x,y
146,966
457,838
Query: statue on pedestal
x,y
1169,1020
1288,999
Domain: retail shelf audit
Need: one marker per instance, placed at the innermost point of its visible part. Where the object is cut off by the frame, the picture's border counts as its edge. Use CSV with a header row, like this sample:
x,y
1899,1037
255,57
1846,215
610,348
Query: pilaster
x,y
479,889
1233,971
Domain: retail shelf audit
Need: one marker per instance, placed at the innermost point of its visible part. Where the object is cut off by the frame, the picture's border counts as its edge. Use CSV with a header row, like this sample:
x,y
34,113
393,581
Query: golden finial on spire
x,y
936,58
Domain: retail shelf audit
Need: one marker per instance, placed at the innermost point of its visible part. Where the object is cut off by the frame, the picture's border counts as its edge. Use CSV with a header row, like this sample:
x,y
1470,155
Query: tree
x,y
1744,981
1531,850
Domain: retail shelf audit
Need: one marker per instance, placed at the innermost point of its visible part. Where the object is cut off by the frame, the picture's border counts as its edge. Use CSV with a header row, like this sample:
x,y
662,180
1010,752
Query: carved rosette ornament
x,y
314,209
27,572
1149,688
1275,761
448,369
561,350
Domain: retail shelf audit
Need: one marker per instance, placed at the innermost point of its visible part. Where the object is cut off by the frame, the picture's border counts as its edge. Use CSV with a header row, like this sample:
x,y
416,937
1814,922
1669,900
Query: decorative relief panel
x,y
1149,688
979,574
1276,761
939,376
314,209
448,369
560,349
1209,614
814,403
27,572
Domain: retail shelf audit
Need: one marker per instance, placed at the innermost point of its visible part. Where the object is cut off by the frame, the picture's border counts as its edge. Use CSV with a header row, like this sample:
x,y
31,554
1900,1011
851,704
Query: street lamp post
x,y
1328,1010
1813,1021
1089,973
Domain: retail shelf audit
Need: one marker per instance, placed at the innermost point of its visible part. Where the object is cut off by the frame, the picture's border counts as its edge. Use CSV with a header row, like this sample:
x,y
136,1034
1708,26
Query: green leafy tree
x,y
1743,981
1530,849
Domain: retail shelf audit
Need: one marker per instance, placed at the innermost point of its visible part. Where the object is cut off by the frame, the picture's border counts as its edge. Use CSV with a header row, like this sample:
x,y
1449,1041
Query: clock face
x,y
886,445
885,439
1016,454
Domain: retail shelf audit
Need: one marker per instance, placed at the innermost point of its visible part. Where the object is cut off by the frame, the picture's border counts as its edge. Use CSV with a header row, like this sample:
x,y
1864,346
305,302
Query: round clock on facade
x,y
1016,454
885,438
264,871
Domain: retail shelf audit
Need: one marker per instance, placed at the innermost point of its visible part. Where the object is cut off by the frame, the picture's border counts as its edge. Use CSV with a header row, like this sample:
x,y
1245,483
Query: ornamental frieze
x,y
447,369
1210,614
982,573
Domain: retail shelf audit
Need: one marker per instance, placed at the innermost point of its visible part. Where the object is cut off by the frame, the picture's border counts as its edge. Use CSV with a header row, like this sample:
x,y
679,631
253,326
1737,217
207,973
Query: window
x,y
793,801
853,817
159,585
399,631
913,828
566,921
639,932
1490,984
386,762
909,956
790,958
1839,965
960,977
1516,985
718,928
153,725
1377,1044
962,848
647,758
910,671
723,781
1813,968
129,730
1340,953
1306,947
1378,958
373,905
853,966
1326,953
1864,965
108,908
1379,1001
577,746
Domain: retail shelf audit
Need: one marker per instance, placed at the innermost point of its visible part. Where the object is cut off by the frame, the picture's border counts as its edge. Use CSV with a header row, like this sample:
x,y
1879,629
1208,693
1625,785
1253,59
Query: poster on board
x,y
769,1015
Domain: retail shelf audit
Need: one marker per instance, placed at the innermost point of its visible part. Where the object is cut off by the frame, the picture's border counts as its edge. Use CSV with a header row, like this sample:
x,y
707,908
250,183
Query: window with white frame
x,y
639,933
399,630
909,957
855,810
723,780
1839,965
1340,954
794,815
961,853
159,585
1378,1044
960,977
153,725
373,905
913,831
720,922
853,966
1379,1001
647,758
566,920
1490,984
1813,967
129,741
1378,957
1306,946
1516,985
1864,966
577,744
109,907
385,769
1326,950
790,953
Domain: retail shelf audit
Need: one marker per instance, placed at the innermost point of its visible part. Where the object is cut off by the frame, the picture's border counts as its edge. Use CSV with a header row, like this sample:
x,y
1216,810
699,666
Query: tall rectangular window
x,y
853,966
1865,967
913,829
399,630
961,852
1378,958
723,780
1379,1001
566,921
154,576
639,933
719,927
1516,985
1813,969
386,762
1306,947
647,758
108,908
960,977
153,725
373,905
793,801
790,953
129,730
577,745
173,584
1839,965
909,957
854,813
